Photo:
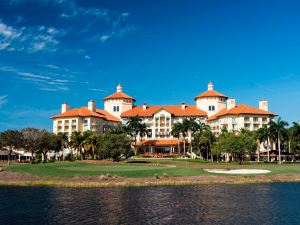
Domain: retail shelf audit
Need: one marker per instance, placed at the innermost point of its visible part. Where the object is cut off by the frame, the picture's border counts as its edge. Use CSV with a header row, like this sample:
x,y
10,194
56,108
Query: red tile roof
x,y
159,142
176,110
240,109
119,95
85,112
108,116
210,93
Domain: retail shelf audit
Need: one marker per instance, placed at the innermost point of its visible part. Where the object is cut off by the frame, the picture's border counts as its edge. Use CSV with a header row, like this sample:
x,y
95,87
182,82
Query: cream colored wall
x,y
66,125
204,103
235,123
156,128
71,124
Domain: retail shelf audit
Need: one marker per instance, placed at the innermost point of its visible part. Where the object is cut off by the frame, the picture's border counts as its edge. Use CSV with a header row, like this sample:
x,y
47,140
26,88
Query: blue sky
x,y
163,52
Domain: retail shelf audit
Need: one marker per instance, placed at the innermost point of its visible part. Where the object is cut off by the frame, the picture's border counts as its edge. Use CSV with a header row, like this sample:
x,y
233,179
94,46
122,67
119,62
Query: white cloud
x,y
104,38
30,39
87,57
96,89
3,100
8,32
125,14
33,75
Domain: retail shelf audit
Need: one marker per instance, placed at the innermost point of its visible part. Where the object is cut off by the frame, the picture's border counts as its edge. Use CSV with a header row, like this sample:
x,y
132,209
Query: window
x,y
213,108
209,108
116,109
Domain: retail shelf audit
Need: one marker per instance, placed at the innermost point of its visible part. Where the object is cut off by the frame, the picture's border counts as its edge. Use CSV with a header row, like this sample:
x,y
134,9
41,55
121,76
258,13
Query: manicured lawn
x,y
144,168
69,169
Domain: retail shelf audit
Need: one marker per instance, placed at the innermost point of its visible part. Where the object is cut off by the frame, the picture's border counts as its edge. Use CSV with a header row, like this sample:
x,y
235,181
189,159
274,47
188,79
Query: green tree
x,y
30,141
176,132
90,142
134,125
238,145
77,142
117,145
263,136
278,129
210,138
64,141
11,140
293,134
47,142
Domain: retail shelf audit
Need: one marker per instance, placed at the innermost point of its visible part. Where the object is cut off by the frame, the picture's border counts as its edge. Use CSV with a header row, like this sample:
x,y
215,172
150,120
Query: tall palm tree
x,y
278,128
293,133
134,125
176,131
211,138
91,142
77,141
64,142
142,130
263,136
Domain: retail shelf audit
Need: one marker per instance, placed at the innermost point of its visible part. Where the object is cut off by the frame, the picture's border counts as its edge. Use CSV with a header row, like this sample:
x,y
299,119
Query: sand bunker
x,y
238,171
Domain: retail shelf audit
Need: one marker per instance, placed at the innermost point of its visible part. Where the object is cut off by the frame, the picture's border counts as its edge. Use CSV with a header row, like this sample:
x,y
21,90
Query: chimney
x,y
92,106
210,86
119,88
263,105
65,107
183,106
144,106
230,103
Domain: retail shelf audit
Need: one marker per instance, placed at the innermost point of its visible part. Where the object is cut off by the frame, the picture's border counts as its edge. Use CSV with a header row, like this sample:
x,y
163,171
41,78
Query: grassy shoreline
x,y
86,184
140,174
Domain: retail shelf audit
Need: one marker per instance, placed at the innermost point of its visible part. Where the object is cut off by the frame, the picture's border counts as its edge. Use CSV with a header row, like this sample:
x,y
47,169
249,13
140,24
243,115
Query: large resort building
x,y
211,107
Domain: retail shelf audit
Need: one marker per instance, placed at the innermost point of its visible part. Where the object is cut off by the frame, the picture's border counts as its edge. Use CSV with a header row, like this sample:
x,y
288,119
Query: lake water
x,y
276,203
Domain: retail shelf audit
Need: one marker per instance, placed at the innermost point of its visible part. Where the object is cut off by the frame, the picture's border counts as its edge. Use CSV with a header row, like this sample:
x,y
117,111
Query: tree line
x,y
117,142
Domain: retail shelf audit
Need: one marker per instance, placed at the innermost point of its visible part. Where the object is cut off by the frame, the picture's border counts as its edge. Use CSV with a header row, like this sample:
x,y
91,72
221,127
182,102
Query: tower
x,y
211,101
118,102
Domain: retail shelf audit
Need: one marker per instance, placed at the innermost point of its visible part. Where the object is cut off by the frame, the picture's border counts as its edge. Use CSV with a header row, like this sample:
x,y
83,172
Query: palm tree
x,y
176,131
90,142
263,136
278,128
211,138
143,130
134,125
293,132
77,141
64,141
184,132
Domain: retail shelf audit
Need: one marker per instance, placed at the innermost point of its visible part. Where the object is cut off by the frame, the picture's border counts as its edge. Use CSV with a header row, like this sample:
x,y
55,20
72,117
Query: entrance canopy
x,y
275,153
157,143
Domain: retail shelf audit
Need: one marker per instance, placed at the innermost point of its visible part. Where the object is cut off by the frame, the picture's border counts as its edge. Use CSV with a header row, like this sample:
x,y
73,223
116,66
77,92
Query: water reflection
x,y
201,204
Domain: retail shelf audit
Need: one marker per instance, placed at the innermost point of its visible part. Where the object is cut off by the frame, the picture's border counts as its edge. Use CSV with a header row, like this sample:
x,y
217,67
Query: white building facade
x,y
211,107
